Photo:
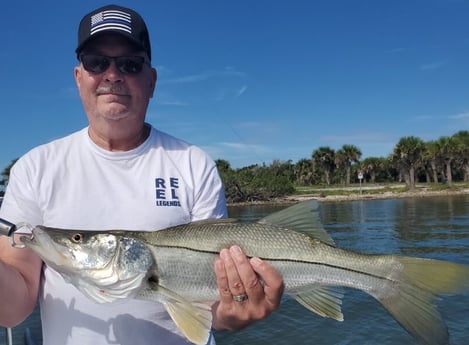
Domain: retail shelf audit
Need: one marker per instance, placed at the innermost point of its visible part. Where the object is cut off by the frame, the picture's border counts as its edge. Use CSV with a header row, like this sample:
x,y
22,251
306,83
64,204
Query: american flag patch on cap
x,y
111,20
116,20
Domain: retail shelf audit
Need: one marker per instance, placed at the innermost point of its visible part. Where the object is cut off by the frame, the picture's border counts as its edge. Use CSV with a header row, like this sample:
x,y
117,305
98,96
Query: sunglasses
x,y
100,63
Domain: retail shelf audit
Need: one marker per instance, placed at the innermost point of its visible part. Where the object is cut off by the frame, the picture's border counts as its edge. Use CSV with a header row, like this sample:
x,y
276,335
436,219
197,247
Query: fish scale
x,y
276,242
292,253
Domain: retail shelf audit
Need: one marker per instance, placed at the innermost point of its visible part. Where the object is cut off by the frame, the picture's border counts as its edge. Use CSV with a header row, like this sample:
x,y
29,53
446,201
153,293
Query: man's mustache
x,y
112,89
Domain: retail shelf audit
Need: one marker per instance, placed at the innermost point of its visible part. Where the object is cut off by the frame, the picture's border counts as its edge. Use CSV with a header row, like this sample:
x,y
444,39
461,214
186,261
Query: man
x,y
118,173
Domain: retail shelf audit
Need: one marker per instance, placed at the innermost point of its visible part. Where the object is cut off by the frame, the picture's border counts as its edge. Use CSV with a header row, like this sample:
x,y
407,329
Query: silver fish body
x,y
175,267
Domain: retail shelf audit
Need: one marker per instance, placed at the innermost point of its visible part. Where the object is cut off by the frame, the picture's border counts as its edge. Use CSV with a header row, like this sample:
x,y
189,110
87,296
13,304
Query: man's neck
x,y
112,140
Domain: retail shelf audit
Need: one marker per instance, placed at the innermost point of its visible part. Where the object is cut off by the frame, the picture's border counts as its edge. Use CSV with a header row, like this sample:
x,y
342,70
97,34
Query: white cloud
x,y
432,65
241,90
194,78
395,50
460,116
355,138
242,146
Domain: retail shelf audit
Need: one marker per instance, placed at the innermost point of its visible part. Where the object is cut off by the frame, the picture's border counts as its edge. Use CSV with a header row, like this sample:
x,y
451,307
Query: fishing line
x,y
251,148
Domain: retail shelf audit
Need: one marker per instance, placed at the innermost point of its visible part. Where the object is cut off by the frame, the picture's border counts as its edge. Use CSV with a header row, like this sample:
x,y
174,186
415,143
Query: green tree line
x,y
412,160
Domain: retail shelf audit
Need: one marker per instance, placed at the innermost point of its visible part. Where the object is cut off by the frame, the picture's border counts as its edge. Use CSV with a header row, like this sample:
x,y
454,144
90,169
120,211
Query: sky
x,y
253,81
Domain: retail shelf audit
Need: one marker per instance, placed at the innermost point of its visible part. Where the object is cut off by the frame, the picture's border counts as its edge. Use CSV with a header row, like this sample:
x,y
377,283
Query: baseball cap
x,y
116,19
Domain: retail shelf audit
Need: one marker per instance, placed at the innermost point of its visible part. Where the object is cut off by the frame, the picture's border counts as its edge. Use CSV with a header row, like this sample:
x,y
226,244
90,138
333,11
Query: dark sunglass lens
x,y
130,64
95,63
125,64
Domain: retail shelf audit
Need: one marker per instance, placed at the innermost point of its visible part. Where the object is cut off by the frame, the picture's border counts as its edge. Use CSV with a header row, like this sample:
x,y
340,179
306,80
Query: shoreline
x,y
356,197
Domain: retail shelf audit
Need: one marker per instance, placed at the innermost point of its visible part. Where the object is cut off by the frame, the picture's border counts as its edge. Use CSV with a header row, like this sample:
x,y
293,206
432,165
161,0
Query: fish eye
x,y
77,237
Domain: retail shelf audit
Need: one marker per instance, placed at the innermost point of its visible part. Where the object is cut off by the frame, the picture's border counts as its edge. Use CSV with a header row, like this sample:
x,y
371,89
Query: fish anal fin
x,y
193,319
323,300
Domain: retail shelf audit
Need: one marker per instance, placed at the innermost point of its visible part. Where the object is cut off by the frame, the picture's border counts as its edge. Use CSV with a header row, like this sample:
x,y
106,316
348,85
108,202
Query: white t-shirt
x,y
71,183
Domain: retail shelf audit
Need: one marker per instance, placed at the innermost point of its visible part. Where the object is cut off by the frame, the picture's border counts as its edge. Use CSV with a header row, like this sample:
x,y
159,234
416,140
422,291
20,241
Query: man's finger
x,y
235,283
222,281
248,276
272,281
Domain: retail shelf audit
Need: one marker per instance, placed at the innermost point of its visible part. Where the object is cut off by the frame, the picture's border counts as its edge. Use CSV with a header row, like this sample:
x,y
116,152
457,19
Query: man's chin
x,y
115,116
115,111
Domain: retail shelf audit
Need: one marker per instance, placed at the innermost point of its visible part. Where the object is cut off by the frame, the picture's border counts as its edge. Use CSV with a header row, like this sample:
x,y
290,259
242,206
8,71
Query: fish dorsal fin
x,y
211,221
193,319
302,217
324,301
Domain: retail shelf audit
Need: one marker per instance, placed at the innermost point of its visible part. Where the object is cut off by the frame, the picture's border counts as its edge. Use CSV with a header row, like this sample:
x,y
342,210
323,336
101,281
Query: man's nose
x,y
112,74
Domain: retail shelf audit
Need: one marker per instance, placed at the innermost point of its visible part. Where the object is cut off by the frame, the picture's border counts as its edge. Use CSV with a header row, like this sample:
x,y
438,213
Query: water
x,y
436,227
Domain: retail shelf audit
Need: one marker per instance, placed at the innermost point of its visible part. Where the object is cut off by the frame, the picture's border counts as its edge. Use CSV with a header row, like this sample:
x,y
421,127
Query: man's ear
x,y
153,81
77,75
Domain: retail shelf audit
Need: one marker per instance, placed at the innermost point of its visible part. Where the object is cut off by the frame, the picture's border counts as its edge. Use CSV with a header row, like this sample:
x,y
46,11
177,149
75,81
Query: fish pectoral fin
x,y
193,319
324,301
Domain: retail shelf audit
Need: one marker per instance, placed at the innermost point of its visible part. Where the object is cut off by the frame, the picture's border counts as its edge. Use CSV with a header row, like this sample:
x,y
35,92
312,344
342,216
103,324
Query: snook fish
x,y
175,267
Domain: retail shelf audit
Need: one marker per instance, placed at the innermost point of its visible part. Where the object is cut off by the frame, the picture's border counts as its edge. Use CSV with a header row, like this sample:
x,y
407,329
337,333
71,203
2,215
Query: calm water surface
x,y
428,227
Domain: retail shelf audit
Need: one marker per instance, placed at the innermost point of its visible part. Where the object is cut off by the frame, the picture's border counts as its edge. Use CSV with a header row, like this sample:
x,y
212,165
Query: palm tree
x,y
303,171
324,159
463,140
6,176
449,150
346,156
432,157
371,166
6,171
407,155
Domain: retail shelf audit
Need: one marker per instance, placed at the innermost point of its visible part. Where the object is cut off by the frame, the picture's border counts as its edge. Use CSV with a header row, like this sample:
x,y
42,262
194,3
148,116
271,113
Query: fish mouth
x,y
30,241
43,245
37,240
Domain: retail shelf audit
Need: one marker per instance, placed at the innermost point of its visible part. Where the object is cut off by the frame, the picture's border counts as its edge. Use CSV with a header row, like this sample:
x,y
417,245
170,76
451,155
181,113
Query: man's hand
x,y
255,284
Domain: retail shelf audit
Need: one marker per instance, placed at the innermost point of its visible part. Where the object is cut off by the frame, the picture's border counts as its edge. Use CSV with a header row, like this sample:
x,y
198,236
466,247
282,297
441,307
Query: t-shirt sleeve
x,y
209,199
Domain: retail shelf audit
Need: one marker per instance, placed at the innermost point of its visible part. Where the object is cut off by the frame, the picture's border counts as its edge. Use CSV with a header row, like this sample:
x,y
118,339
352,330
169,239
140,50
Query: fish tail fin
x,y
410,297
